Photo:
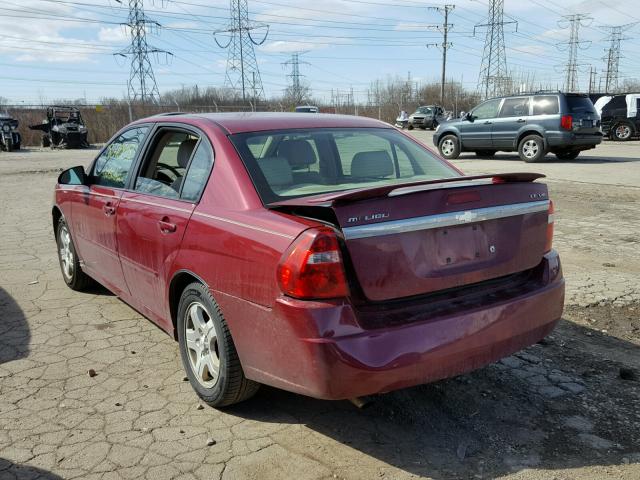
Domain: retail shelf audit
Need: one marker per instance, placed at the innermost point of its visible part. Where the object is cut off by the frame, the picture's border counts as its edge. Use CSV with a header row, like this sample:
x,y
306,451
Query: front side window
x,y
488,109
297,163
515,107
114,163
166,163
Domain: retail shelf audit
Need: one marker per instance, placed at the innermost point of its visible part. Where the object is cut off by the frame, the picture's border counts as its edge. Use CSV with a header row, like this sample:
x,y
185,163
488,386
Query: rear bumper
x,y
333,357
571,140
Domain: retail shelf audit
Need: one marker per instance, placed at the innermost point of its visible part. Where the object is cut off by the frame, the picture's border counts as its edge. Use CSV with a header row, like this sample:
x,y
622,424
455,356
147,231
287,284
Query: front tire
x,y
449,147
531,149
72,273
622,132
207,350
46,142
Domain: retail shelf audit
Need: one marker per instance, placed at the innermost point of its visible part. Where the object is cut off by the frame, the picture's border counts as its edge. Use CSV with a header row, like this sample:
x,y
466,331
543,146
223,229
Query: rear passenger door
x,y
154,213
513,116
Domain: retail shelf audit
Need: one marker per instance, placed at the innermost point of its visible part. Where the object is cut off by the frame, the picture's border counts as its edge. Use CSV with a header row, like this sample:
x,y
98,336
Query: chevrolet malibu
x,y
332,256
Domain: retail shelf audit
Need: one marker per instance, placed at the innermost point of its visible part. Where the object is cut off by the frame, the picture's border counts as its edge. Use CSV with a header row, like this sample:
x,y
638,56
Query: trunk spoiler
x,y
327,200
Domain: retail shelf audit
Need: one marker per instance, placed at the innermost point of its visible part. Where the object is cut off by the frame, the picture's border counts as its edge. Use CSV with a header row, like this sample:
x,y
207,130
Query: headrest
x,y
371,164
299,153
276,170
184,152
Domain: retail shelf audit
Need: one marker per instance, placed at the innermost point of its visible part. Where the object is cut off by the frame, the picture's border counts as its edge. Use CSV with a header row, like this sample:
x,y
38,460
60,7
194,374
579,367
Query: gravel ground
x,y
566,408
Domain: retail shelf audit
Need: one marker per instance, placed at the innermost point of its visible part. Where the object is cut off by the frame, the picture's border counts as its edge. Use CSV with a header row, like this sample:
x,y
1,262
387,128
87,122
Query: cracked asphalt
x,y
562,409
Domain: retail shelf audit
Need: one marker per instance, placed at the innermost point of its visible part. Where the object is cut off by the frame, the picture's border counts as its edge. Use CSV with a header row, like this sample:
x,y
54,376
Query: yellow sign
x,y
98,108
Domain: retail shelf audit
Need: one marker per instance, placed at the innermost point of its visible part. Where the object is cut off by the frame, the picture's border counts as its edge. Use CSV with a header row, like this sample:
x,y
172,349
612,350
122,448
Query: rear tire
x,y
622,132
485,153
410,127
449,147
72,273
570,155
46,142
207,350
531,149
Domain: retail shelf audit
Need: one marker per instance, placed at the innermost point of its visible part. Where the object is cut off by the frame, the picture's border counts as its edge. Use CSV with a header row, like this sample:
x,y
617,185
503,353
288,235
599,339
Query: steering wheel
x,y
173,170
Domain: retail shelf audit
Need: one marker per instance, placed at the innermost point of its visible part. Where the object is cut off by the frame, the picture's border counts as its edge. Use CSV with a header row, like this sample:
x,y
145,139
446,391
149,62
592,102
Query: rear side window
x,y
198,173
114,163
579,104
515,107
546,105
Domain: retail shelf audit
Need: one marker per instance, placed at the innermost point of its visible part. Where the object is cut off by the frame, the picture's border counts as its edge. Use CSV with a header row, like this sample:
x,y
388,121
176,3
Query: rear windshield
x,y
285,164
579,104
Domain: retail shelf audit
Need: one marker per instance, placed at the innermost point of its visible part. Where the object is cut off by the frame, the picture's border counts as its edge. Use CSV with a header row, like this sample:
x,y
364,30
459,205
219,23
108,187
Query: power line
x,y
492,80
142,85
242,66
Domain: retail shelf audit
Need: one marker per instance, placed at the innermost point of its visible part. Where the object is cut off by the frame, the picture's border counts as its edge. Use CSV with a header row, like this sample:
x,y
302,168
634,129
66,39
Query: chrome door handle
x,y
488,122
167,227
109,209
521,120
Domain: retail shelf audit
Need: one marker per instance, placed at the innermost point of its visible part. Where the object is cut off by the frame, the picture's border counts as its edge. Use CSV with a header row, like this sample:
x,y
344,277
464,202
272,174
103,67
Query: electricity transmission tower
x,y
297,91
242,66
142,85
445,45
493,77
573,22
613,55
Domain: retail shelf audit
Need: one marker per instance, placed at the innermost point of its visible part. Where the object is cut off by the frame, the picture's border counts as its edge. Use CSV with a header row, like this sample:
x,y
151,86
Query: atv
x,y
10,139
63,128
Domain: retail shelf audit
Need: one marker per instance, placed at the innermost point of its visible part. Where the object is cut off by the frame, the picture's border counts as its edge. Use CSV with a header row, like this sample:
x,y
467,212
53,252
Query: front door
x,y
95,209
513,116
475,133
153,217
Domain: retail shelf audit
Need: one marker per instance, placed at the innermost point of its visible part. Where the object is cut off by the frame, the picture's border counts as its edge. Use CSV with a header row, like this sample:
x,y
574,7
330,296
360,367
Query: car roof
x,y
241,122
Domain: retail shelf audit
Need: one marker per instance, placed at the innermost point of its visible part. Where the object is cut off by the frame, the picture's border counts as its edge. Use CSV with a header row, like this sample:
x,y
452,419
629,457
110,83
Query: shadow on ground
x,y
488,423
13,471
551,158
14,330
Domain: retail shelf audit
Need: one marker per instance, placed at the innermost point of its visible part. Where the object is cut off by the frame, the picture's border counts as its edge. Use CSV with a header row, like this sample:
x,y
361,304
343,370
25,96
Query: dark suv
x,y
532,125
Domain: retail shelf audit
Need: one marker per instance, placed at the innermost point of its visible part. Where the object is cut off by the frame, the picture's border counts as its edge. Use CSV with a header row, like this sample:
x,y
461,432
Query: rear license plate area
x,y
587,123
461,245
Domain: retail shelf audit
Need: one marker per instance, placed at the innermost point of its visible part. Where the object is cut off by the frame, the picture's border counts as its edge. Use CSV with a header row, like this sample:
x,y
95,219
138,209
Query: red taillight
x,y
549,241
566,122
312,267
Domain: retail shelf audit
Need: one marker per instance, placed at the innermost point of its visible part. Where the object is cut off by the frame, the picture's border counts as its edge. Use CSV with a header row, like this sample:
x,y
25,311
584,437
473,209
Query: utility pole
x,y
614,54
296,89
445,45
242,66
493,70
573,22
142,85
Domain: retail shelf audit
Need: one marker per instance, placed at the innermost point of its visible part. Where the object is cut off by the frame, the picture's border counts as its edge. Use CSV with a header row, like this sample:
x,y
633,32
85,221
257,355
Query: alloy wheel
x,y
66,253
623,132
530,148
201,339
448,147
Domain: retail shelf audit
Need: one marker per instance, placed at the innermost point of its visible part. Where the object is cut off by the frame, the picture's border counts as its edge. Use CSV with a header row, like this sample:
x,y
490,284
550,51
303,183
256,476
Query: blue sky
x,y
55,49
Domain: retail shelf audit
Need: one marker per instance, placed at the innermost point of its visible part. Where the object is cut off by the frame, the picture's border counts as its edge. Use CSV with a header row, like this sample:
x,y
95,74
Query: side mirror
x,y
469,116
73,176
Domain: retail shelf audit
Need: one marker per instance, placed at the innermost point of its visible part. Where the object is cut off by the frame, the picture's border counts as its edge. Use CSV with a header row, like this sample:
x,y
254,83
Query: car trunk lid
x,y
585,117
415,239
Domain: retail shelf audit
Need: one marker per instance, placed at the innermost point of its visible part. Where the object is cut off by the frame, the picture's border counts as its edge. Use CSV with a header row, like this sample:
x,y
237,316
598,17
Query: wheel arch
x,y
56,215
526,133
178,283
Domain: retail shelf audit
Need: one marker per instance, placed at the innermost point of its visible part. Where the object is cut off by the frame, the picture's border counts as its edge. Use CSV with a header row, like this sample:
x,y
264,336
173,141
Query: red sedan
x,y
332,256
